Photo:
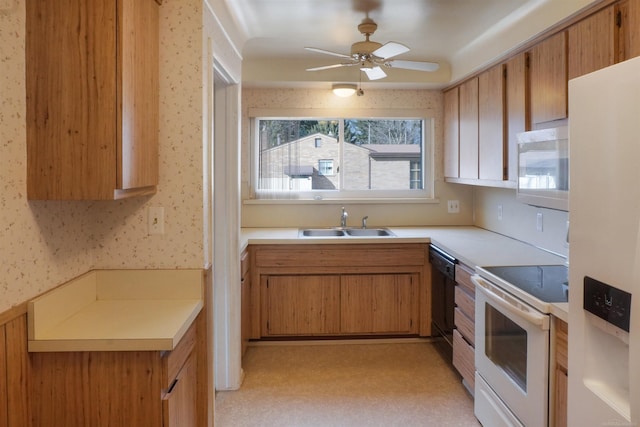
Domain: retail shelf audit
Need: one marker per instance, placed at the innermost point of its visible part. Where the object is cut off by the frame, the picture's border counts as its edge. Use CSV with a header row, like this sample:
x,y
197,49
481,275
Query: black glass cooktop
x,y
548,283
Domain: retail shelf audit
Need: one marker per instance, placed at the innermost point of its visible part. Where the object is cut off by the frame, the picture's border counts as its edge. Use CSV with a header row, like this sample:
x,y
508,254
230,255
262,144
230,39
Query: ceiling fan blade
x,y
328,67
374,73
413,65
328,52
390,49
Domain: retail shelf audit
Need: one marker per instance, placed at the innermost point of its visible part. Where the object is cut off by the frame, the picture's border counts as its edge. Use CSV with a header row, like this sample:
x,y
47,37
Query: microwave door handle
x,y
509,304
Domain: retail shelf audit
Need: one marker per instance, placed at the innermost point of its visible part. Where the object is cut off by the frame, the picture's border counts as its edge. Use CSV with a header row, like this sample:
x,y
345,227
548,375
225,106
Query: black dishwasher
x,y
443,275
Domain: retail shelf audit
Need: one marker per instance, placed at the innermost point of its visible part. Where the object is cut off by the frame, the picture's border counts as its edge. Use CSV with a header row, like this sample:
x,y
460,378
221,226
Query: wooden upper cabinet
x,y
469,129
92,99
592,43
491,127
517,106
628,19
548,79
451,133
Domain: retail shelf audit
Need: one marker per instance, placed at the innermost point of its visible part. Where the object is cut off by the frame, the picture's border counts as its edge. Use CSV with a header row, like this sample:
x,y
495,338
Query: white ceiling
x,y
459,34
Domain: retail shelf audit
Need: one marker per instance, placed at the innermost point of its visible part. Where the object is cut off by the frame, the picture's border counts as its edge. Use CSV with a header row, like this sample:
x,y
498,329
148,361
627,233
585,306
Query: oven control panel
x,y
608,303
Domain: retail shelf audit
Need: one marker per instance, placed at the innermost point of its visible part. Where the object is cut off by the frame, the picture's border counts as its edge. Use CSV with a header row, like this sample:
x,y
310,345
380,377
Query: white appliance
x,y
543,168
512,342
604,261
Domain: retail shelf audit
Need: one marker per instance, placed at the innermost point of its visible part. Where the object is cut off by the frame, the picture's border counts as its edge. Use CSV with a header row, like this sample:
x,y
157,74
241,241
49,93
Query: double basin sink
x,y
345,232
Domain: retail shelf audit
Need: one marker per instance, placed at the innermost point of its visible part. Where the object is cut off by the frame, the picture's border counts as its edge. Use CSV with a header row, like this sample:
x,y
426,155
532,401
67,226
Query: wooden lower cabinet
x,y
352,304
245,300
464,320
561,373
119,388
340,290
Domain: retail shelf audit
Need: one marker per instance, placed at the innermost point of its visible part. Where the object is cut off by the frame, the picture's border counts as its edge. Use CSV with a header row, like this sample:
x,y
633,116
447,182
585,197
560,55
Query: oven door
x,y
512,354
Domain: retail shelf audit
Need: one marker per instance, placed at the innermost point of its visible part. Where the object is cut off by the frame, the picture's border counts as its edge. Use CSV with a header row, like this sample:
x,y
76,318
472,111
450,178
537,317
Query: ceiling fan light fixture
x,y
344,90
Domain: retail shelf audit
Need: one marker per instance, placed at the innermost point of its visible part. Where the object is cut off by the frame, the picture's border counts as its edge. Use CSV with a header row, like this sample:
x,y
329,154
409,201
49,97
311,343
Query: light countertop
x,y
472,246
116,310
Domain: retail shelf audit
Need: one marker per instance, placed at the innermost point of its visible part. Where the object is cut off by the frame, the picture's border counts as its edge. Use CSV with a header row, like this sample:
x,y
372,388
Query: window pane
x,y
307,155
383,154
290,154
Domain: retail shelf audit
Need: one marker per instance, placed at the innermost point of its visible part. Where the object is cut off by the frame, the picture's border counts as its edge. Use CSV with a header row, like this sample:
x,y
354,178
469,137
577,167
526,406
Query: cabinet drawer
x,y
465,326
463,278
464,359
562,336
465,302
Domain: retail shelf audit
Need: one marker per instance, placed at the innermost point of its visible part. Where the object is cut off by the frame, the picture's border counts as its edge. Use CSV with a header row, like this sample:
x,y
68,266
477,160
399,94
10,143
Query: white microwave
x,y
543,168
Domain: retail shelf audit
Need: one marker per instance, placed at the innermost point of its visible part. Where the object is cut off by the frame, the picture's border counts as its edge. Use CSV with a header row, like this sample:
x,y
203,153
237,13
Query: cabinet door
x,y
491,126
245,301
629,29
139,116
592,43
517,109
180,405
548,76
469,129
451,133
561,398
379,303
301,305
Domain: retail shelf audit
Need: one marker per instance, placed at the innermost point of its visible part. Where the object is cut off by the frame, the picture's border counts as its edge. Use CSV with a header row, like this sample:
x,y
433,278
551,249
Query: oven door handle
x,y
510,304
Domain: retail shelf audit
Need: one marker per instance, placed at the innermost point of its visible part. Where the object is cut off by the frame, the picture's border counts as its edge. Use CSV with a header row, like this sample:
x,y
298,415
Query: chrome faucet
x,y
343,218
364,221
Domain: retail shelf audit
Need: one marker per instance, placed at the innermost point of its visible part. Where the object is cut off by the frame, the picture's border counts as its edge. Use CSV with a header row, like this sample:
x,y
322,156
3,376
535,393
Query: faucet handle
x,y
364,221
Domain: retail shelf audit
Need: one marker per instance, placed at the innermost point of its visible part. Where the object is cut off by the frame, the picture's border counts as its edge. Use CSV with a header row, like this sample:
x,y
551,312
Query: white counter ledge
x,y
116,310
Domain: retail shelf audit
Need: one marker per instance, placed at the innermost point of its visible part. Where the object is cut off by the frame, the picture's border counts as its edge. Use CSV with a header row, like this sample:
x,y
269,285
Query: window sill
x,y
327,201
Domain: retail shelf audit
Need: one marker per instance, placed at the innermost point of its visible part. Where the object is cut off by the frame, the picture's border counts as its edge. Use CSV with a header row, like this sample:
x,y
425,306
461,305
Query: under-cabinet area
x,y
339,290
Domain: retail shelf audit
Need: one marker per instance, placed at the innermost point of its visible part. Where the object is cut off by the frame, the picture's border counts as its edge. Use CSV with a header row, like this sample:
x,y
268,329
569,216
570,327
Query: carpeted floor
x,y
399,384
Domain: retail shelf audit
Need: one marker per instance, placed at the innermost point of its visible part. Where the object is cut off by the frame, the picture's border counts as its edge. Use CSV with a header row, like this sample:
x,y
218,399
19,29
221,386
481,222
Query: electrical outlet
x,y
539,222
453,206
499,212
155,220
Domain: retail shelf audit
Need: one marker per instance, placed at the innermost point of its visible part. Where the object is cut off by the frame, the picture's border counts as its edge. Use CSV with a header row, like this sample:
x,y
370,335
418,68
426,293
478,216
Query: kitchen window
x,y
341,158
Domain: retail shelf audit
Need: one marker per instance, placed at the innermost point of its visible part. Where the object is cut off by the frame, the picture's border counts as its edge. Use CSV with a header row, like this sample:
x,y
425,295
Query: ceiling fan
x,y
373,56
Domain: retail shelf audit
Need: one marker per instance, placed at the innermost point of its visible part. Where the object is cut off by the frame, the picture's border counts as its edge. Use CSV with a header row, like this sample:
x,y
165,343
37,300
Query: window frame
x,y
428,162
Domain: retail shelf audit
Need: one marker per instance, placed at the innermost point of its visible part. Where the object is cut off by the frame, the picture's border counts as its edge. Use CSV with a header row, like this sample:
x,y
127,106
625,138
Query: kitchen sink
x,y
321,232
364,232
345,232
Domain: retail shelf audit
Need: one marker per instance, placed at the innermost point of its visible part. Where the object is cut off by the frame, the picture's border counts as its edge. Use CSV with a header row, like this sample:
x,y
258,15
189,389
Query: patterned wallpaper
x,y
45,243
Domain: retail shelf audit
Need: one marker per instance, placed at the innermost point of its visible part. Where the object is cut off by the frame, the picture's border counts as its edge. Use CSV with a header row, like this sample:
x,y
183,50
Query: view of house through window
x,y
339,155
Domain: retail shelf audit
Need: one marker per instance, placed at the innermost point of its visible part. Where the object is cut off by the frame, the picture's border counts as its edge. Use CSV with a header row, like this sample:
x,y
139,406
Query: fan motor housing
x,y
364,47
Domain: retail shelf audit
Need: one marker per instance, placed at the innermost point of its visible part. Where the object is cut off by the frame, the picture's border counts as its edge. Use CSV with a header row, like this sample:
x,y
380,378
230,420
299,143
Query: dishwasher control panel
x,y
608,303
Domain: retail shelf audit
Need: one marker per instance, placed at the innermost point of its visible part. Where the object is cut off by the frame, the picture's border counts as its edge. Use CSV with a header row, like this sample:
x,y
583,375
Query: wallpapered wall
x,y
430,102
45,243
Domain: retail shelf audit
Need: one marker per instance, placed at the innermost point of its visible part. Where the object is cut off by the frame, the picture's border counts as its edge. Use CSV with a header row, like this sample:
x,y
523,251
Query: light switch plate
x,y
155,220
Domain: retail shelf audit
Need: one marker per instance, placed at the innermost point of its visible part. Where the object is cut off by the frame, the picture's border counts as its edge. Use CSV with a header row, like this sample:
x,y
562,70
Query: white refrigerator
x,y
604,252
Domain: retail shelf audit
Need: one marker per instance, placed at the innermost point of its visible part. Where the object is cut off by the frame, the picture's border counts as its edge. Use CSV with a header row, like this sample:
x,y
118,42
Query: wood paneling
x,y
562,347
17,371
463,278
548,79
517,91
465,326
592,43
4,404
451,133
491,124
465,302
469,129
